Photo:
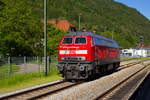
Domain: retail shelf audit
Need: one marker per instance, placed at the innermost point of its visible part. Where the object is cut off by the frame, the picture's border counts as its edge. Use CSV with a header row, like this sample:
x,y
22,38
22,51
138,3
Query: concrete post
x,y
38,67
24,64
8,66
48,63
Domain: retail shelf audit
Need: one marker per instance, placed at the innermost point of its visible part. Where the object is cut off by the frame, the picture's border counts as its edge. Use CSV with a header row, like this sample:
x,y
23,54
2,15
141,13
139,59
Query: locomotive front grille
x,y
70,67
71,75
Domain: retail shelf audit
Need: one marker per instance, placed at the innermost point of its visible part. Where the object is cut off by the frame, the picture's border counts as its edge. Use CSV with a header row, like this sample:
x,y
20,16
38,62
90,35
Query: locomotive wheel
x,y
90,75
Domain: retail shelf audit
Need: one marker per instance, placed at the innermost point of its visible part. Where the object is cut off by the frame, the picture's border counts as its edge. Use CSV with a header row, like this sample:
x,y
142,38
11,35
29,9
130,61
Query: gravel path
x,y
29,68
90,90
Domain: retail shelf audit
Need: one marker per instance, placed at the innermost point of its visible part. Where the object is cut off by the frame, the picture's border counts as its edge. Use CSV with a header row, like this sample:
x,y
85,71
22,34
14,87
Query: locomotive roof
x,y
88,34
93,35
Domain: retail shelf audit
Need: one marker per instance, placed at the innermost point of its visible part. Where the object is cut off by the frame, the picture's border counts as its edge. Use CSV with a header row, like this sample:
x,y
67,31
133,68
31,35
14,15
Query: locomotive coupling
x,y
60,67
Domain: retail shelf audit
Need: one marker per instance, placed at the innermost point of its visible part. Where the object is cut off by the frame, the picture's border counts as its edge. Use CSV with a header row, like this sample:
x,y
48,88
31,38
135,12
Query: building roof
x,y
62,24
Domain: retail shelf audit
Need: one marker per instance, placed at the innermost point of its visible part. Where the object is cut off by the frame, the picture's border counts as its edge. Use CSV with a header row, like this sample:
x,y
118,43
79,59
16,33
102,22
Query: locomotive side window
x,y
80,40
92,41
67,41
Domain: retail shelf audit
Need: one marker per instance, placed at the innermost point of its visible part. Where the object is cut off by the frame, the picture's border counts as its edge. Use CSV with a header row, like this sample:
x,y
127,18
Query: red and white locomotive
x,y
82,55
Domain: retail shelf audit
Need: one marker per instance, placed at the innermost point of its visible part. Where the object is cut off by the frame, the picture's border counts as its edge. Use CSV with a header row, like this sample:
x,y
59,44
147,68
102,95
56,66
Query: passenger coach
x,y
82,55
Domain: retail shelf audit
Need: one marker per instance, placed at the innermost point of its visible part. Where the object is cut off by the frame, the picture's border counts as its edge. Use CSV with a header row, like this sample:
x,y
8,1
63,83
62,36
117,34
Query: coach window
x,y
67,41
80,40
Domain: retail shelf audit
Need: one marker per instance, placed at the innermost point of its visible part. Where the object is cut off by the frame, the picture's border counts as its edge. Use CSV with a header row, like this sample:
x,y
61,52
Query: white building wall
x,y
135,53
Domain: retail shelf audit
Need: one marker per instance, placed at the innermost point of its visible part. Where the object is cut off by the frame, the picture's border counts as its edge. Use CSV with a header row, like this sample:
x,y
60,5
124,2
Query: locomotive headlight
x,y
81,68
83,58
62,58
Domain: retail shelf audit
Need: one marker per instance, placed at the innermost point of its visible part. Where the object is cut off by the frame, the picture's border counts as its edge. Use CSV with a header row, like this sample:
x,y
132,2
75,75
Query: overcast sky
x,y
143,6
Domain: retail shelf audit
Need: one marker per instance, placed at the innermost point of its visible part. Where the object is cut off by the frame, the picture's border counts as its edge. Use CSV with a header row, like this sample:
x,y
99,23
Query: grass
x,y
21,81
4,70
122,59
145,58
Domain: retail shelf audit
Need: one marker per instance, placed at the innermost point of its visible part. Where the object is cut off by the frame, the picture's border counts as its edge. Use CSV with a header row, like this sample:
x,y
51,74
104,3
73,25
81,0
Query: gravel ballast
x,y
91,90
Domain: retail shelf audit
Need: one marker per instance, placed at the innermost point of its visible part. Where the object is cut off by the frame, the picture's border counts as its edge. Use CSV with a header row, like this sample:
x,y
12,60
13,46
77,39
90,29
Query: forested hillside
x,y
106,16
21,29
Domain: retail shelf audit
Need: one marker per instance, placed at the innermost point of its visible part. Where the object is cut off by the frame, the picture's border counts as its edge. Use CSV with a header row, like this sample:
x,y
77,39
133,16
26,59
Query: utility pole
x,y
79,21
45,36
112,34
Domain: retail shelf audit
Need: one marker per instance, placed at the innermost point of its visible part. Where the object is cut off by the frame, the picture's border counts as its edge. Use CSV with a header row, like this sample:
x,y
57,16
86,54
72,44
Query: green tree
x,y
54,37
20,31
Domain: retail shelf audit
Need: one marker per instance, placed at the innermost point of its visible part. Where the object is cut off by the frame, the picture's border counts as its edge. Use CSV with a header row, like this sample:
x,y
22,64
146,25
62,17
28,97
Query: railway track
x,y
91,90
131,64
139,76
39,92
128,65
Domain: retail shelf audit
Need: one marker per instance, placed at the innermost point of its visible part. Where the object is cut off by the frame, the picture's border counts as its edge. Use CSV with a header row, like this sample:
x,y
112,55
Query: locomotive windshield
x,y
80,40
67,40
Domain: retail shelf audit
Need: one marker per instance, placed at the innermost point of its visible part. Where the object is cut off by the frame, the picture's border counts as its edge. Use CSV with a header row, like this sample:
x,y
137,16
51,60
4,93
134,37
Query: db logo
x,y
72,52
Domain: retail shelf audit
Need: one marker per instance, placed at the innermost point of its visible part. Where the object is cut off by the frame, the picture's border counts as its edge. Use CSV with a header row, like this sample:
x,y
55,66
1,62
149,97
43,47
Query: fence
x,y
19,65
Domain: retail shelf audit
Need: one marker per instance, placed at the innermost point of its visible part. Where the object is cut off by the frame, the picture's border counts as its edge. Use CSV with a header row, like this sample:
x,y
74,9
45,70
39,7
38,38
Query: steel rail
x,y
55,91
29,90
120,83
39,92
130,64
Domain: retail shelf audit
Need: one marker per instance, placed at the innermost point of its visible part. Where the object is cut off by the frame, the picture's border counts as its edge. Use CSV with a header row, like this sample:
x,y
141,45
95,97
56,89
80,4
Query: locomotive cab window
x,y
80,40
67,40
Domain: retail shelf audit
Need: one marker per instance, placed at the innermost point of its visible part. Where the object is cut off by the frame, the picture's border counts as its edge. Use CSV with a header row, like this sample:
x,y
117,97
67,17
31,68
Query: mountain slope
x,y
22,28
106,16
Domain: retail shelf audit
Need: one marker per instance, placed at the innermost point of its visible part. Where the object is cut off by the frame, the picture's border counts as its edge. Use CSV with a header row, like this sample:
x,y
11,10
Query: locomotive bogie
x,y
75,70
